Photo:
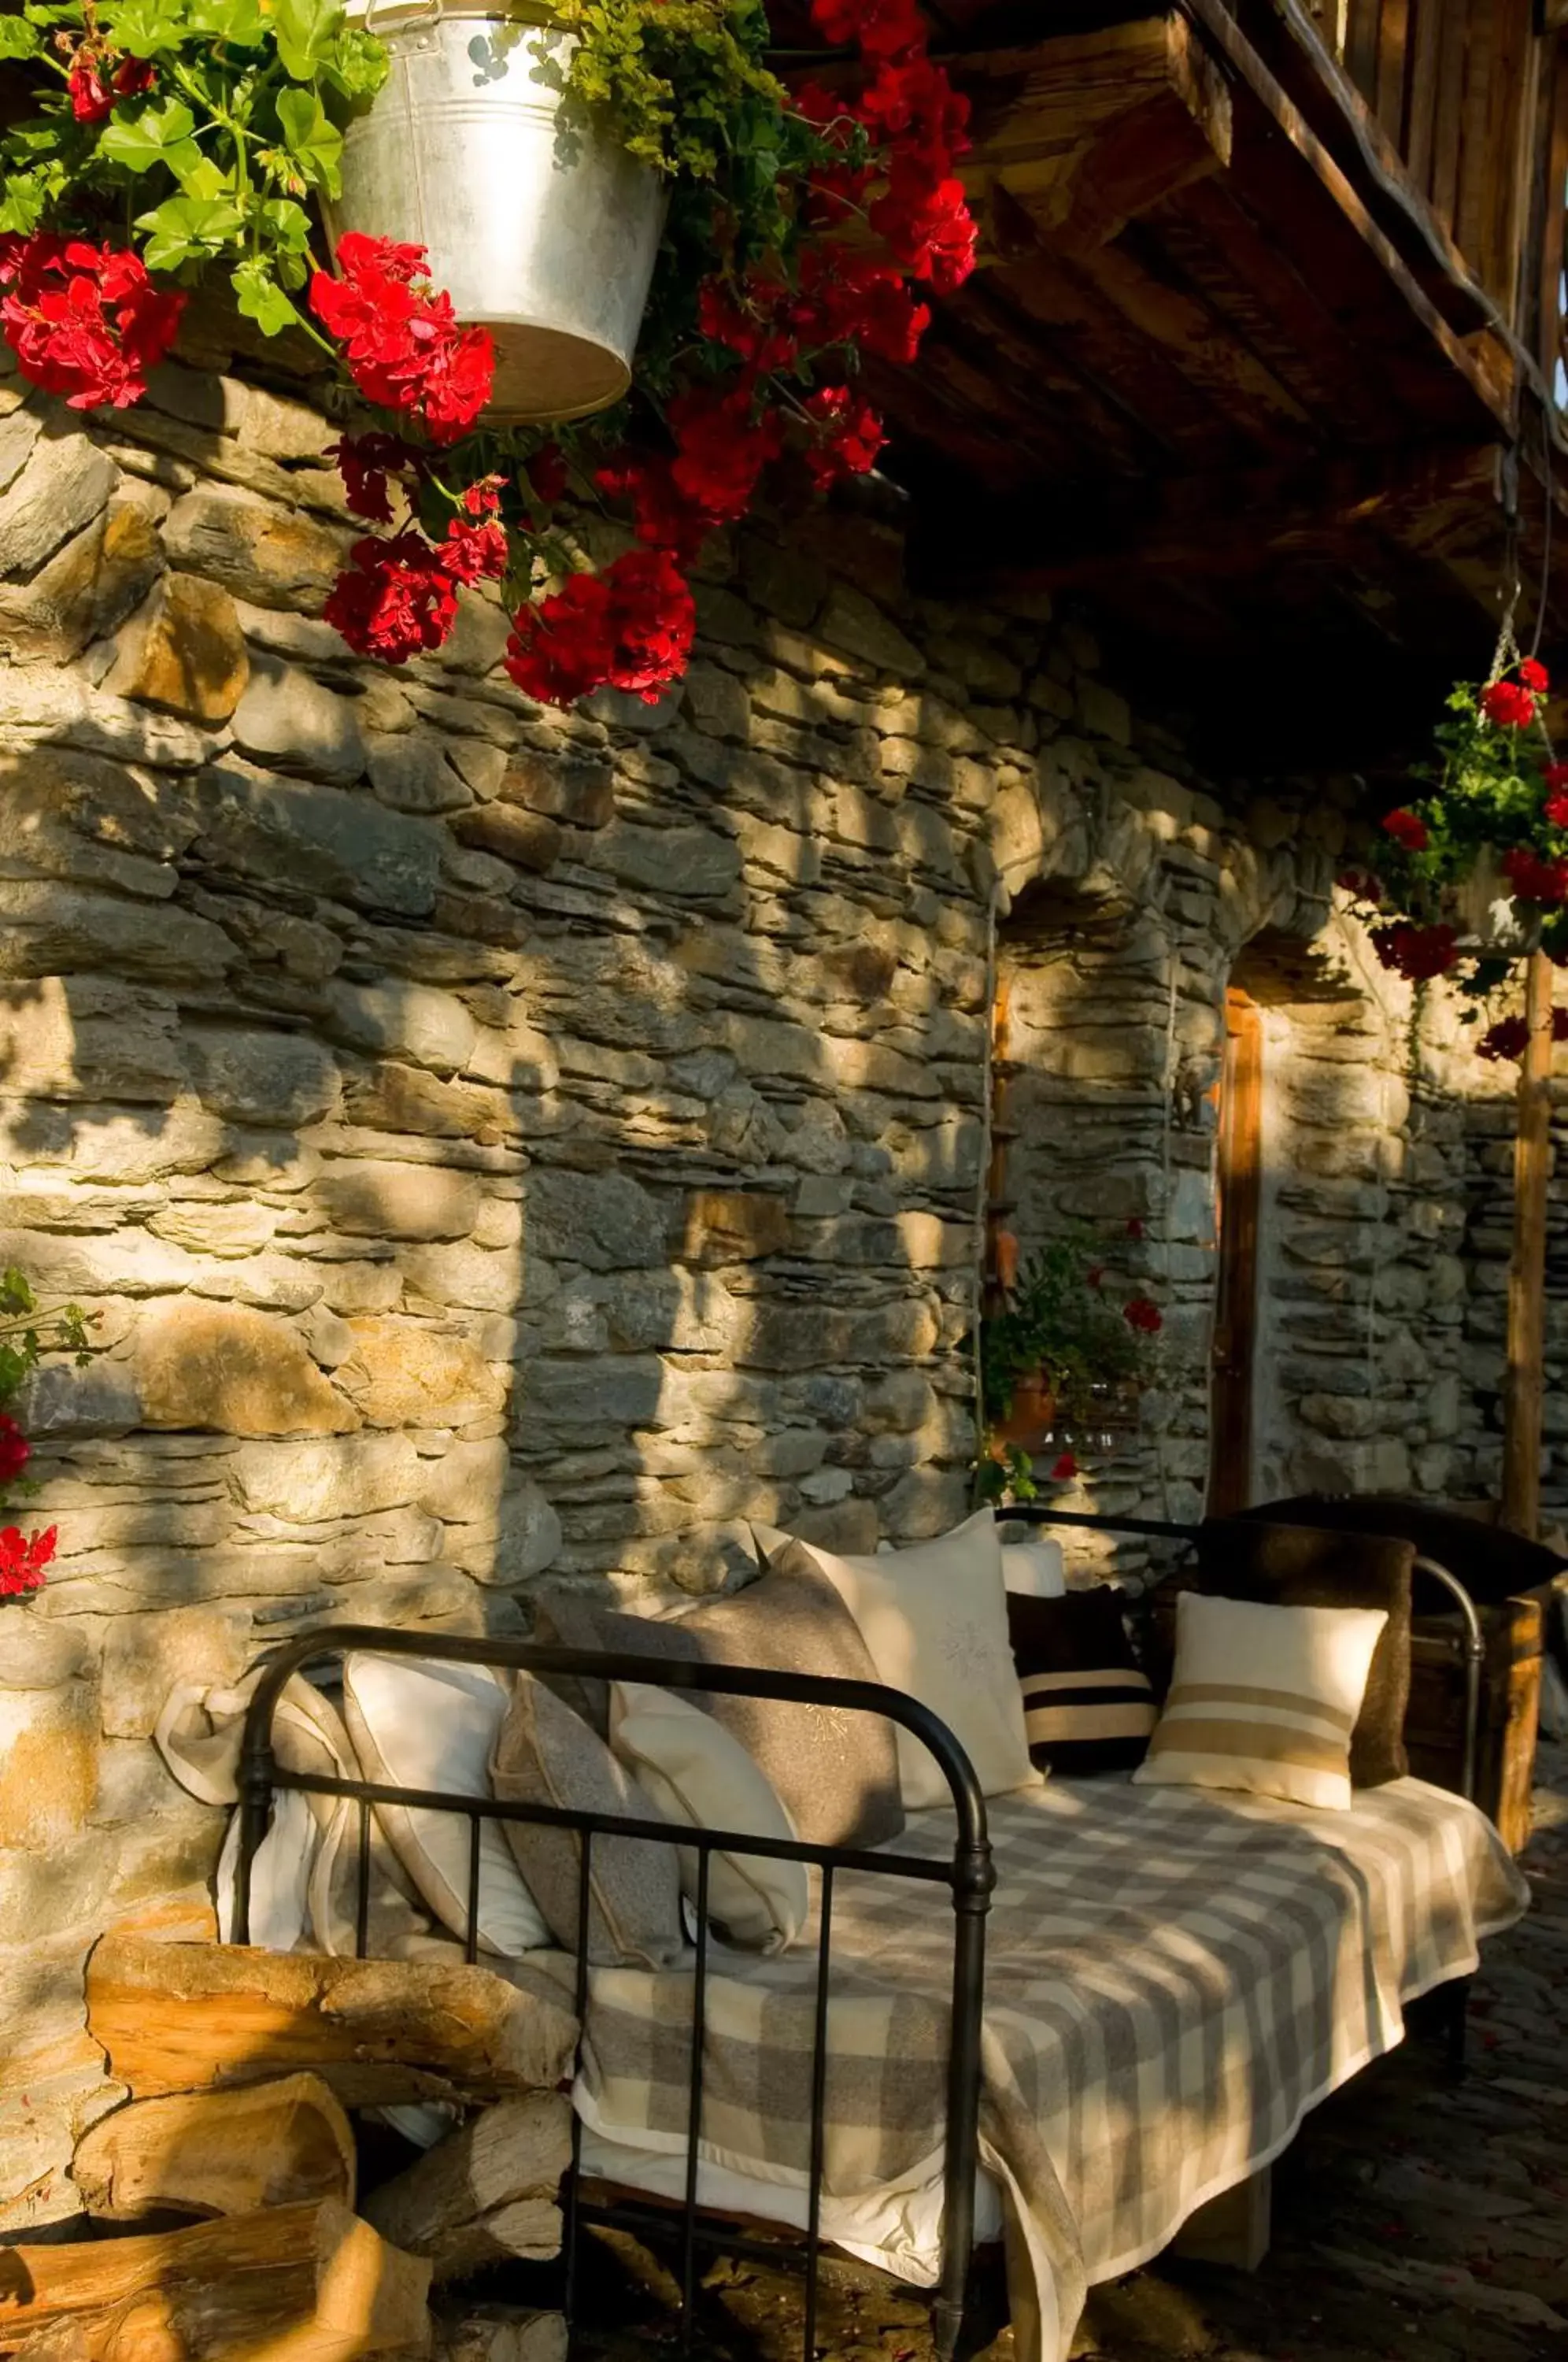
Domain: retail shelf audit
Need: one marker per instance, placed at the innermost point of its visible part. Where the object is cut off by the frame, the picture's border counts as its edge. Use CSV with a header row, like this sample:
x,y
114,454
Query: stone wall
x,y
494,1143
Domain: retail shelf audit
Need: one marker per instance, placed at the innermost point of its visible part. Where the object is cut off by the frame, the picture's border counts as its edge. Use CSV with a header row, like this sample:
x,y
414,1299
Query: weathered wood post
x,y
1523,1384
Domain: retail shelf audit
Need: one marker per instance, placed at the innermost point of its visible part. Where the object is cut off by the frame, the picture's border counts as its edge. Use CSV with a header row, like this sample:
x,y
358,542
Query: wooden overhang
x,y
1224,374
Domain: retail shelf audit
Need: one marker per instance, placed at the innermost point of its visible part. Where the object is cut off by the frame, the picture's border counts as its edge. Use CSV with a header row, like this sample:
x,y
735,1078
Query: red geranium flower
x,y
1135,1228
884,28
929,226
851,436
15,1450
1555,776
1508,704
1557,806
723,445
661,516
395,600
1508,1039
400,337
1364,883
94,98
629,627
1064,1469
1141,1313
23,1558
1535,880
474,552
84,321
365,463
1408,829
1417,953
1534,674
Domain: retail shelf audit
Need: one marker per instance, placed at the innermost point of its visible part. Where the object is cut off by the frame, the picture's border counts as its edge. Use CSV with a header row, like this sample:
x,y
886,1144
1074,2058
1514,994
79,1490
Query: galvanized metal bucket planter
x,y
535,225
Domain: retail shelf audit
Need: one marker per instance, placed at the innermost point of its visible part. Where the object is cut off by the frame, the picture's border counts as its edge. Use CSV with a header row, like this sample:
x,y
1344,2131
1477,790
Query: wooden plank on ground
x,y
186,2017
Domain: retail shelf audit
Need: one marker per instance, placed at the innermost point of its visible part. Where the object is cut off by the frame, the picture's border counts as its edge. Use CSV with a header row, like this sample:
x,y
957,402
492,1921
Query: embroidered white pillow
x,y
1264,1699
934,1621
416,1723
699,1774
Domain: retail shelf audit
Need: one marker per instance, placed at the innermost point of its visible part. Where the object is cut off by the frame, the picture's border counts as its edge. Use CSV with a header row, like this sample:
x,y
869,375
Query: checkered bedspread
x,y
1173,1979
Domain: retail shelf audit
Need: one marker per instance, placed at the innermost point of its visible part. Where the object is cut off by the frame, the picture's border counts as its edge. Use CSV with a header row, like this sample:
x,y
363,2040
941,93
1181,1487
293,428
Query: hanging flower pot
x,y
538,226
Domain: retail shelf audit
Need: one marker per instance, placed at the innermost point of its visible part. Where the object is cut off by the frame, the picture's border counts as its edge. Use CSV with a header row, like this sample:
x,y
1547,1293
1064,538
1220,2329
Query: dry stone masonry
x,y
497,1144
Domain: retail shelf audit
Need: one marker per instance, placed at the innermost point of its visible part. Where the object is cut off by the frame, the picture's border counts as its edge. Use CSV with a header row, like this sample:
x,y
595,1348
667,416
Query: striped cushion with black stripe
x,y
1086,1706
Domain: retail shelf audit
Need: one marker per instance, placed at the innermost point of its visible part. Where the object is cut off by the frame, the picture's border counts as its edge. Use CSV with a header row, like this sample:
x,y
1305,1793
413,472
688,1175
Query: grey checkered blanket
x,y
1173,1979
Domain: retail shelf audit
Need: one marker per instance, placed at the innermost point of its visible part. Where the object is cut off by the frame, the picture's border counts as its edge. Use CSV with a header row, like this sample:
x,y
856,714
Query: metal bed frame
x,y
966,1872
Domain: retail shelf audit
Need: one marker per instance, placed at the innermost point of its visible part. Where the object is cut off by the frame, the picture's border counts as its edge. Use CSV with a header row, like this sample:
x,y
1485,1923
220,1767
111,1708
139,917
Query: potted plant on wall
x,y
1058,1355
571,163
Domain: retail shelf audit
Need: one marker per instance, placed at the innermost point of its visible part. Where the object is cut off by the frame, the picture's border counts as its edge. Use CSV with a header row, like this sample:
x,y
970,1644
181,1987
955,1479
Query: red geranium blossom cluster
x,y
97,82
404,347
1536,880
1407,829
1510,1038
1417,953
23,1558
1142,1314
84,321
1514,705
630,626
399,597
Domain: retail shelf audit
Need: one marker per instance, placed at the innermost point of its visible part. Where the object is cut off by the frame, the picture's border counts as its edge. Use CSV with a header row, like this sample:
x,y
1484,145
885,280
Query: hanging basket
x,y
540,228
1488,916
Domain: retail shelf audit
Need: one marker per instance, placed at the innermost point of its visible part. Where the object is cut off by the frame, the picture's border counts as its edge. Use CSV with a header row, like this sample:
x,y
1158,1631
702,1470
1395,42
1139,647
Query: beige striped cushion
x,y
1264,1699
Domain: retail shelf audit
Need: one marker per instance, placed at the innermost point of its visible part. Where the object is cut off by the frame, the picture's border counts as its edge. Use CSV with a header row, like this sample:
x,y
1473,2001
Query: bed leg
x,y
1458,2016
946,2328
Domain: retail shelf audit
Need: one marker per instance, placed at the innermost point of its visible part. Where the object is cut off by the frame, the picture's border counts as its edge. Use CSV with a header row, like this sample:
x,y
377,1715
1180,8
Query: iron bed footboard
x,y
966,1872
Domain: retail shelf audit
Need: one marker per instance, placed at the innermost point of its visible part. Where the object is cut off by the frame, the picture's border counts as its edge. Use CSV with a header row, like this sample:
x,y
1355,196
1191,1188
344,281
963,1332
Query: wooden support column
x,y
1524,1383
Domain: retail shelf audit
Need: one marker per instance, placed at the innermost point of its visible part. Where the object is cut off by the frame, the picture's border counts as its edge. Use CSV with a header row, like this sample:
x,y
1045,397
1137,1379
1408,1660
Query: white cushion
x,y
699,1774
934,1621
416,1723
1264,1699
1035,1570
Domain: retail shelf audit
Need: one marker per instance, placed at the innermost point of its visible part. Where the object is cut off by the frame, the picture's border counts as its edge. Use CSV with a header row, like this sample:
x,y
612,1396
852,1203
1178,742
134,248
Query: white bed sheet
x,y
897,2227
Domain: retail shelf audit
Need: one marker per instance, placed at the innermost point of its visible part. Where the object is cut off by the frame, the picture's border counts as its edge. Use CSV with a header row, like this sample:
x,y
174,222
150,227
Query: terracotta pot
x,y
1032,1416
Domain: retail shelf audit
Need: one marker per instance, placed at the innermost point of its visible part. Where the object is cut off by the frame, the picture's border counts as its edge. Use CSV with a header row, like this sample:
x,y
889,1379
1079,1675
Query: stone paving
x,y
1415,2217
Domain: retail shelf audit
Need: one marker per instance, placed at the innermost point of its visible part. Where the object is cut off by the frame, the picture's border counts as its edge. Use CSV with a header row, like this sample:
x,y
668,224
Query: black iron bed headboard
x,y
966,1872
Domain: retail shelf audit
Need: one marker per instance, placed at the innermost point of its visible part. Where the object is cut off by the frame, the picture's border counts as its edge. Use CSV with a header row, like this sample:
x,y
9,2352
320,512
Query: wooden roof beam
x,y
1086,131
1195,526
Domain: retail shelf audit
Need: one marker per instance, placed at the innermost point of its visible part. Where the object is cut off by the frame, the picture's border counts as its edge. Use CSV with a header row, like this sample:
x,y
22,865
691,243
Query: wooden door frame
x,y
1232,1393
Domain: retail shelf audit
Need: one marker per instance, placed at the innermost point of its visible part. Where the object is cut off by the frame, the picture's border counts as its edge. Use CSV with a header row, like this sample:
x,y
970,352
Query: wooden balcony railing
x,y
1473,96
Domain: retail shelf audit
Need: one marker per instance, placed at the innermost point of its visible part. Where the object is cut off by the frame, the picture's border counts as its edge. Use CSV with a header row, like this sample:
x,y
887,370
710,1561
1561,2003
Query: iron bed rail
x,y
968,1872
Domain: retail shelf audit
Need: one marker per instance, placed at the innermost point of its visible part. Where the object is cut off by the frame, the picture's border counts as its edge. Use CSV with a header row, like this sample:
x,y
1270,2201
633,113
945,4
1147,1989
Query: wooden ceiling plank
x,y
1252,157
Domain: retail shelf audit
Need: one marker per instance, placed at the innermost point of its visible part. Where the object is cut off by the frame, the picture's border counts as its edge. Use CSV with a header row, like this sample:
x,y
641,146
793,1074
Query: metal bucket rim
x,y
408,16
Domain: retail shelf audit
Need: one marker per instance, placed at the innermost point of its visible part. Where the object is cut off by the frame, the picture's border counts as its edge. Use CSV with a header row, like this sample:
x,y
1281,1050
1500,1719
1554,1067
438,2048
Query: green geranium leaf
x,y
146,28
241,23
261,298
305,31
197,174
286,225
187,229
146,139
315,142
22,206
19,38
